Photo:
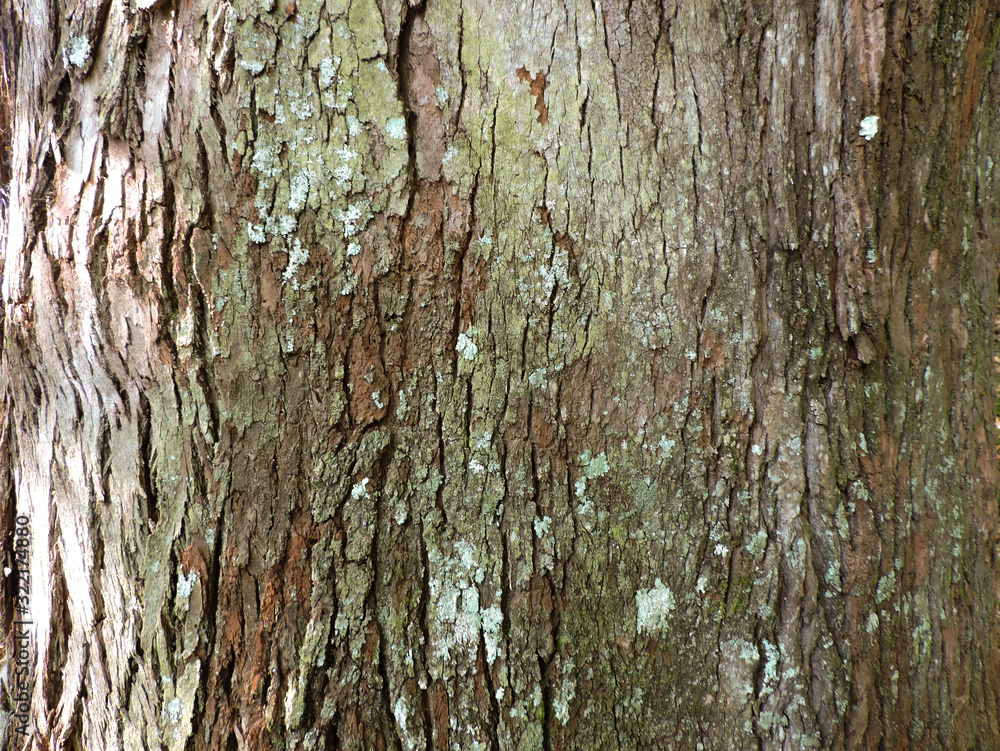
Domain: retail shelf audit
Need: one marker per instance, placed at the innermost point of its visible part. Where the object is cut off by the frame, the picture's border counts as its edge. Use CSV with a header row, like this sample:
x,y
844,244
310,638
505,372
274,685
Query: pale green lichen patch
x,y
757,544
594,466
466,346
886,587
666,446
456,618
395,127
178,705
653,607
320,143
492,621
78,51
872,625
565,693
399,711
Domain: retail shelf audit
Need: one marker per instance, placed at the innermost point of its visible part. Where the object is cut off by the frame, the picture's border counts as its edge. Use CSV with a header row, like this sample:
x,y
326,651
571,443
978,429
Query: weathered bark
x,y
484,376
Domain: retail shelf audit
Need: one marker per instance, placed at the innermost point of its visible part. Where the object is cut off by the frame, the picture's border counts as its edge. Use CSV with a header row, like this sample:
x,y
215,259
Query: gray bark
x,y
493,376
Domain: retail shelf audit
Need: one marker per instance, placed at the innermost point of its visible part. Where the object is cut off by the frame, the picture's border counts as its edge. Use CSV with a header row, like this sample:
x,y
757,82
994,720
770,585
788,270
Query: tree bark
x,y
458,375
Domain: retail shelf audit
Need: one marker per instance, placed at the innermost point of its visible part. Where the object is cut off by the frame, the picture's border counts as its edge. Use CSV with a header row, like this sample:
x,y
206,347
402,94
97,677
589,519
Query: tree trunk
x,y
476,376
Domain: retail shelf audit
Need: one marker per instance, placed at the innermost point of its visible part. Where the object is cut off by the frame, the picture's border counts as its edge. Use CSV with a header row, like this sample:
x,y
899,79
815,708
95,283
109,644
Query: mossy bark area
x,y
472,375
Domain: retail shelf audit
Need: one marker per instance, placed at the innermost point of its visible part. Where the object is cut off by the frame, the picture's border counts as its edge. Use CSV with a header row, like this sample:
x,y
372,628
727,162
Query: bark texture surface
x,y
470,375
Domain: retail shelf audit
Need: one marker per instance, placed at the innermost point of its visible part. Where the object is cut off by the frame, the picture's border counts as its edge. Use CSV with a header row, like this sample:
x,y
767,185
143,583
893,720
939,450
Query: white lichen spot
x,y
869,127
265,162
377,399
292,696
468,619
542,526
185,329
353,249
770,668
399,712
354,126
701,586
185,584
537,377
886,587
296,258
565,693
748,652
594,466
352,220
298,191
173,711
666,446
343,174
287,225
360,490
557,273
654,607
721,550
476,467
862,442
466,347
396,128
442,95
797,554
768,720
455,615
872,623
253,67
301,108
860,490
492,620
833,575
78,51
328,71
757,450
